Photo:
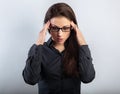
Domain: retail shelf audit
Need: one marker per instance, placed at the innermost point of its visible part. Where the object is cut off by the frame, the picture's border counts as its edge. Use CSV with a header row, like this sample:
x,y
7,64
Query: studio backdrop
x,y
21,21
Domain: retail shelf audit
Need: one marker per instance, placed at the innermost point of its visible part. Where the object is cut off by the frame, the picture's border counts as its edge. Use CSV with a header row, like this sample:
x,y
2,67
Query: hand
x,y
79,35
42,34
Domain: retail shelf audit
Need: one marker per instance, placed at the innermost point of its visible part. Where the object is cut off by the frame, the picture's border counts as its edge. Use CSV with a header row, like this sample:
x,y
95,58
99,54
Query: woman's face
x,y
60,29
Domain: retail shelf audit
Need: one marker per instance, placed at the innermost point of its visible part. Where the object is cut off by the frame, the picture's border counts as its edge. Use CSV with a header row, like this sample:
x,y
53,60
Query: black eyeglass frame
x,y
58,28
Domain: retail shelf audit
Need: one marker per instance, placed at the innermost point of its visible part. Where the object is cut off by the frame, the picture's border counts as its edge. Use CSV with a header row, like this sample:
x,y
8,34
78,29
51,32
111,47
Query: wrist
x,y
82,42
39,43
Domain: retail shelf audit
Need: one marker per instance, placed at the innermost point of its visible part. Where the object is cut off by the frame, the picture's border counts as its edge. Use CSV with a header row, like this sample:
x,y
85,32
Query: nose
x,y
60,33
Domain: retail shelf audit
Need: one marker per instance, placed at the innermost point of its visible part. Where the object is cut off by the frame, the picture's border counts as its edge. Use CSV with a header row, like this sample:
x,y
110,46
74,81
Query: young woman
x,y
64,61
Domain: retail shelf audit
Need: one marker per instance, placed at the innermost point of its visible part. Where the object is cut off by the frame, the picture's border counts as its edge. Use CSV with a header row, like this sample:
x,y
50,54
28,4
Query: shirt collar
x,y
50,41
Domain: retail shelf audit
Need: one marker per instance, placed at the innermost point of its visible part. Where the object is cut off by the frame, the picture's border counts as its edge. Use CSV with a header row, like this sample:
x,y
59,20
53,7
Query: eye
x,y
66,28
54,28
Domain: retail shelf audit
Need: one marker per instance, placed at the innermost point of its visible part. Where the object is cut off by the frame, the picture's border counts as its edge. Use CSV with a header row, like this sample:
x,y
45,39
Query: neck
x,y
59,47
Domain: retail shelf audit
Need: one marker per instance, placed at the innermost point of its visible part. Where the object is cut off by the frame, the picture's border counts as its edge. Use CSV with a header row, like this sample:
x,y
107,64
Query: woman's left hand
x,y
79,35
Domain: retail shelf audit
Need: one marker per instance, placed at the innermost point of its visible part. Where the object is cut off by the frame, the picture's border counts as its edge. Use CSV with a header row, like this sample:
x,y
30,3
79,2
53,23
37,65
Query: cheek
x,y
67,35
53,34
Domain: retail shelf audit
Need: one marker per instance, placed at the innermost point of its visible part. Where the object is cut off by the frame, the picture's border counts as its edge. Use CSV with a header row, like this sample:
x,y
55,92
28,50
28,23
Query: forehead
x,y
60,21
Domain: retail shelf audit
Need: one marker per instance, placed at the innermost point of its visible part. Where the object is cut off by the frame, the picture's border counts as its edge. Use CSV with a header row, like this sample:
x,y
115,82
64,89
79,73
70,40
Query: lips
x,y
60,39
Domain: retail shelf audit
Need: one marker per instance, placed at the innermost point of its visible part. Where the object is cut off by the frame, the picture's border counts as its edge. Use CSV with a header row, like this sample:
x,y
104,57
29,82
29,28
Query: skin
x,y
60,37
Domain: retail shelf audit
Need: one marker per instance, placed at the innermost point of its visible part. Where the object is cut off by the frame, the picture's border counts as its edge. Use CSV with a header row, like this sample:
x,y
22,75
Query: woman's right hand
x,y
42,34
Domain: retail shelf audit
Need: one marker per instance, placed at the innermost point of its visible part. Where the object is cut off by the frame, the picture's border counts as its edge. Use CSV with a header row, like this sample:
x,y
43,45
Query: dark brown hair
x,y
70,58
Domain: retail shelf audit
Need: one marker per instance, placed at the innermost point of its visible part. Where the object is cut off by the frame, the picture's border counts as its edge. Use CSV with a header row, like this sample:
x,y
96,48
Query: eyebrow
x,y
58,26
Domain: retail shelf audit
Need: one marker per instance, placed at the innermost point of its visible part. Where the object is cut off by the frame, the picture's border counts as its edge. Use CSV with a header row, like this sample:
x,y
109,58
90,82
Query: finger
x,y
75,27
46,26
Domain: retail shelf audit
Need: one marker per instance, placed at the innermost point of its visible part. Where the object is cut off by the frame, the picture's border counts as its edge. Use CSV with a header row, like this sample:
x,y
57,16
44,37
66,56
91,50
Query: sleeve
x,y
31,72
86,68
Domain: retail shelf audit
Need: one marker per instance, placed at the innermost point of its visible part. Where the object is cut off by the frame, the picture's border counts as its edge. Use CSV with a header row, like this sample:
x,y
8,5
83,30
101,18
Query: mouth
x,y
60,39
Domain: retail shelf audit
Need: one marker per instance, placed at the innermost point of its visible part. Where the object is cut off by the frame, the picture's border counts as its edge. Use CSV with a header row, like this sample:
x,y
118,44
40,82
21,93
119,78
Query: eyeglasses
x,y
57,29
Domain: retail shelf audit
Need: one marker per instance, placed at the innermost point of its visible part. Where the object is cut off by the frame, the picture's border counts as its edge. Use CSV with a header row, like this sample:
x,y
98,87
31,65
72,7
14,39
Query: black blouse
x,y
43,66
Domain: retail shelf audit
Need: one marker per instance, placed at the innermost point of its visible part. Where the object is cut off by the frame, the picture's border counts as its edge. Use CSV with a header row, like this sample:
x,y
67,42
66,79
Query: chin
x,y
60,42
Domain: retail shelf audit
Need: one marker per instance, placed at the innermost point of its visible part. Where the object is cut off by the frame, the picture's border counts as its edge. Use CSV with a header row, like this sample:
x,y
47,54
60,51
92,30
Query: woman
x,y
64,61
